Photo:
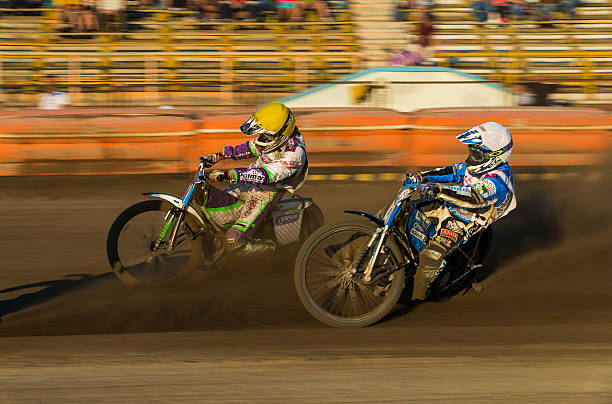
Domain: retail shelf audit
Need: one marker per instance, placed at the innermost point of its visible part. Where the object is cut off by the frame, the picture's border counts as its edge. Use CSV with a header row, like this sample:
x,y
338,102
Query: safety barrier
x,y
114,141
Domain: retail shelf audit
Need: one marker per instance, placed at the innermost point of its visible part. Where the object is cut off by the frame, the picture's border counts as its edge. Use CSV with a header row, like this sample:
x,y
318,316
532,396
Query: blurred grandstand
x,y
187,53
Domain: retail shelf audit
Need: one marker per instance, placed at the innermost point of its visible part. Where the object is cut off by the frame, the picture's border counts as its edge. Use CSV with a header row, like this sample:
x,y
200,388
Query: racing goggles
x,y
479,154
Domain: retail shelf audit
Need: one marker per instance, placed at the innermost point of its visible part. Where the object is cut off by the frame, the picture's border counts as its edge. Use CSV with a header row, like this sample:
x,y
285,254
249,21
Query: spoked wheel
x,y
336,294
132,240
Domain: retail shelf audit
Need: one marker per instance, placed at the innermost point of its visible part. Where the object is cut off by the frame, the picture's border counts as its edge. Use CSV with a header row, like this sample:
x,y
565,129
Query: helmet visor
x,y
250,128
477,155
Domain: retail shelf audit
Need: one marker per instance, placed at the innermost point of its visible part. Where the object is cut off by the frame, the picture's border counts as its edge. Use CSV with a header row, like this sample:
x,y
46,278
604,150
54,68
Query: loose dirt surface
x,y
541,331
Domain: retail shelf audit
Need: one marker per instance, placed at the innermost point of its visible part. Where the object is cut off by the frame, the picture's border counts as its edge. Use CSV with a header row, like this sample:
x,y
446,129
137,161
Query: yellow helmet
x,y
273,124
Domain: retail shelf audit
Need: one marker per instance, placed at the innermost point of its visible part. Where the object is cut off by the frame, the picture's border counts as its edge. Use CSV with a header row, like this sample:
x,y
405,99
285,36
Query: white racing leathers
x,y
255,190
470,203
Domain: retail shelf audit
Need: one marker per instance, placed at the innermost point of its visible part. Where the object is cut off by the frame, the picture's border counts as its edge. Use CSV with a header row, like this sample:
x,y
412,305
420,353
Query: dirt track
x,y
540,331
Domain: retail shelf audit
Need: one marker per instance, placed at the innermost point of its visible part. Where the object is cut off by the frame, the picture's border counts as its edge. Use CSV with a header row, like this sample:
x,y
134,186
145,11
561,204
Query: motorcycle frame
x,y
386,228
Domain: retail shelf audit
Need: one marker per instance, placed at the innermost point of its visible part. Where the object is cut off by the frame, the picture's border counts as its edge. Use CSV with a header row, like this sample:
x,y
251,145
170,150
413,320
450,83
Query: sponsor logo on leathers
x,y
253,176
420,216
433,254
418,234
490,186
445,242
286,219
451,225
481,189
448,234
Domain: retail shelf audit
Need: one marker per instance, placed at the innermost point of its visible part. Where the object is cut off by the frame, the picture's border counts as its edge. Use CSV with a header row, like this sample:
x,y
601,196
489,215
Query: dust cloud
x,y
554,247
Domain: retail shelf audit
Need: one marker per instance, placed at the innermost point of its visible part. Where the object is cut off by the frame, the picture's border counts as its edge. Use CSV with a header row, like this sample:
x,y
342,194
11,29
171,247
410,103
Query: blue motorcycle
x,y
352,274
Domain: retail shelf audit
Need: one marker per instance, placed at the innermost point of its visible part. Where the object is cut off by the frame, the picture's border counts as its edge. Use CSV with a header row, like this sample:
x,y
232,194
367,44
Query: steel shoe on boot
x,y
257,247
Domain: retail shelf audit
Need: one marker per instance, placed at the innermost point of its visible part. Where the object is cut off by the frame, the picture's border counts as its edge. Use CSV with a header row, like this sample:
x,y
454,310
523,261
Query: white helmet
x,y
490,145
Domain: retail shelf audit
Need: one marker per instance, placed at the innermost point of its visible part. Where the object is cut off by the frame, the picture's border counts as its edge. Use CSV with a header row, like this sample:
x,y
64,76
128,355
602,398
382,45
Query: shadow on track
x,y
50,290
245,294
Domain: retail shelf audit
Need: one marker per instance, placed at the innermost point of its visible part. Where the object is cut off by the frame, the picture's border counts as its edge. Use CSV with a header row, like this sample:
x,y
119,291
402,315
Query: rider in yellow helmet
x,y
281,165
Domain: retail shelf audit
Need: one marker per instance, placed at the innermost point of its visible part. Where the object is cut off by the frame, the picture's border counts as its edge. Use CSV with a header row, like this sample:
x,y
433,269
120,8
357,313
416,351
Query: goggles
x,y
479,155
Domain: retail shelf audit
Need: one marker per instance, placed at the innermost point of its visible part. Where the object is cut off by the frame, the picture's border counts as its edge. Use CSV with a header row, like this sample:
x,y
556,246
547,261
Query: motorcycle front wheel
x,y
132,239
327,285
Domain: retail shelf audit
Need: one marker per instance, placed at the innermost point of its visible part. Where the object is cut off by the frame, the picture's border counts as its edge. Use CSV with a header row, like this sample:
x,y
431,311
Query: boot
x,y
256,247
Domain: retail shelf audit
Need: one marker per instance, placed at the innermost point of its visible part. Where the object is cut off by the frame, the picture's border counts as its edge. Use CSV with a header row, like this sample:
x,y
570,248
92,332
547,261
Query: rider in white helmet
x,y
281,165
483,193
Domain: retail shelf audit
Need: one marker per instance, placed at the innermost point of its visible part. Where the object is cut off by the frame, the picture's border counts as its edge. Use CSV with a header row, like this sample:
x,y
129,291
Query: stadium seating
x,y
171,53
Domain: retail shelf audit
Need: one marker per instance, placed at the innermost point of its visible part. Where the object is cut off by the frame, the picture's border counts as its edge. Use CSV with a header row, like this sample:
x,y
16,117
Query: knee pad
x,y
235,237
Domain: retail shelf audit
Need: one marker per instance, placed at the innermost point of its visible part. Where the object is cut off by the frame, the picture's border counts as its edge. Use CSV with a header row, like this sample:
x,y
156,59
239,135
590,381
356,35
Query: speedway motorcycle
x,y
165,239
352,274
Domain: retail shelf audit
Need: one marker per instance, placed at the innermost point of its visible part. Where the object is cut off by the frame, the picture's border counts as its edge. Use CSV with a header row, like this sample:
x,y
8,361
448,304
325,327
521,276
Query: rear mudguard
x,y
294,203
176,202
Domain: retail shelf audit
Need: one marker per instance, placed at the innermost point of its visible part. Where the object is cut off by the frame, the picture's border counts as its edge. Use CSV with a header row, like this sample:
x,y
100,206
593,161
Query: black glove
x,y
212,159
412,179
429,190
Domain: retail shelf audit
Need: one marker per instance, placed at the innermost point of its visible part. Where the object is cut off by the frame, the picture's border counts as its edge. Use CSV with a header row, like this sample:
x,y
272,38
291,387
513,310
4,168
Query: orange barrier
x,y
542,136
96,141
342,137
379,137
105,141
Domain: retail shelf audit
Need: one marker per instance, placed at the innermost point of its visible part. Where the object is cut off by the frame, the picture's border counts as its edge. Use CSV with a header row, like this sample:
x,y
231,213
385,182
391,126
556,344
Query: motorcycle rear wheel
x,y
130,242
326,288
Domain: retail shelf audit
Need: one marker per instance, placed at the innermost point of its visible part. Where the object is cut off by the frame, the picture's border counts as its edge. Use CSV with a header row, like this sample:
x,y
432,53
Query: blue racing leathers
x,y
482,199
470,203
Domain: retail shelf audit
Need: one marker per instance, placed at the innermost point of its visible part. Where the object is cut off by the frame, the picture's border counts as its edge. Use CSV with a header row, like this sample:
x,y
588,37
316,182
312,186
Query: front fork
x,y
379,237
170,217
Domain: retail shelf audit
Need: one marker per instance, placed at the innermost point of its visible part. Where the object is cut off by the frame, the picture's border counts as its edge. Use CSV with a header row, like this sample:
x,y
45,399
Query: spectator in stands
x,y
234,10
520,9
523,95
542,88
288,10
544,12
403,6
421,50
568,7
400,10
89,15
262,7
207,9
111,15
481,10
70,13
501,8
53,98
317,5
425,39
